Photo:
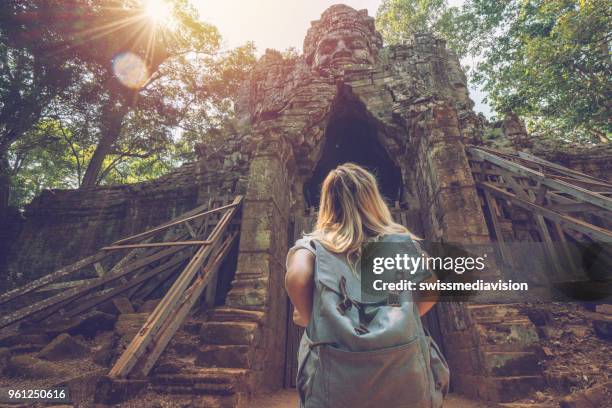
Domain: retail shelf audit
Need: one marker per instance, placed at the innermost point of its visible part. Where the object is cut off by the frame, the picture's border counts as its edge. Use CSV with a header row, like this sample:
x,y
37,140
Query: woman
x,y
354,353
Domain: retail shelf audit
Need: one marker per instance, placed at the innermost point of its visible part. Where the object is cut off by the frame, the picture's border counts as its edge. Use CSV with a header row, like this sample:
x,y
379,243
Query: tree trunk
x,y
112,122
5,186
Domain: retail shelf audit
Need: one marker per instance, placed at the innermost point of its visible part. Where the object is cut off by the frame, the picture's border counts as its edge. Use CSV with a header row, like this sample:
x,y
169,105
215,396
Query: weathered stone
x,y
5,355
233,333
32,367
594,397
113,391
64,347
603,326
87,325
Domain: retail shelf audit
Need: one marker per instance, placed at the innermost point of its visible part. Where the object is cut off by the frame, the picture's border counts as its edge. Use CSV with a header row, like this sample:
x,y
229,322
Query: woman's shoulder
x,y
401,237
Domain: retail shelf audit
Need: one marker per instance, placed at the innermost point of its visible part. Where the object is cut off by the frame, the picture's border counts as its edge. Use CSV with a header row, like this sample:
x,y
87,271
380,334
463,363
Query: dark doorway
x,y
351,138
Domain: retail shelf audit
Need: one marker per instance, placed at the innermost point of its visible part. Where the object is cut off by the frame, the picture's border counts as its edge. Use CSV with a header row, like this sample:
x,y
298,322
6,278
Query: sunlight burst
x,y
157,10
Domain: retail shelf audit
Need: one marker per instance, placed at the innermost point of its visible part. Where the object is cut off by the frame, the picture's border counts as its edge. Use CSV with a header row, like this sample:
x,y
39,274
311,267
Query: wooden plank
x,y
584,227
575,191
52,277
542,226
83,289
155,244
167,305
192,233
91,303
99,269
192,294
173,223
566,248
493,210
563,169
62,285
588,183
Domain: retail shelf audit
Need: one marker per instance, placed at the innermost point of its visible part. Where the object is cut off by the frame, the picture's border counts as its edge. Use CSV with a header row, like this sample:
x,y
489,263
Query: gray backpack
x,y
357,354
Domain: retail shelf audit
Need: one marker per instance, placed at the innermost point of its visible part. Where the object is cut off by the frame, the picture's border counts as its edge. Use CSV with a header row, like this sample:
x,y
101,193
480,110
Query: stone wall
x,y
62,226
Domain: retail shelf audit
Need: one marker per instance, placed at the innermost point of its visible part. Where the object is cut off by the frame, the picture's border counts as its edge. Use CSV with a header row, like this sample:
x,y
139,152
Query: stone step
x,y
509,389
501,363
515,335
232,356
229,314
184,343
201,381
192,326
230,333
493,313
196,375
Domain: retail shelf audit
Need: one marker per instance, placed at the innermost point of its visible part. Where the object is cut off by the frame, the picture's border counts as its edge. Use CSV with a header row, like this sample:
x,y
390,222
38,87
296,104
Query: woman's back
x,y
362,354
357,353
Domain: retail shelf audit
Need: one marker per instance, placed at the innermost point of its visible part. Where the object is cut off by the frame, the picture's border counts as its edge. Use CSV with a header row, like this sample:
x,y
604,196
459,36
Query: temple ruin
x,y
401,110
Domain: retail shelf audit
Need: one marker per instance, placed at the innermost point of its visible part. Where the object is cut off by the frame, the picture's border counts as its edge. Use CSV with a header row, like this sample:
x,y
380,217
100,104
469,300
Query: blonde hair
x,y
352,209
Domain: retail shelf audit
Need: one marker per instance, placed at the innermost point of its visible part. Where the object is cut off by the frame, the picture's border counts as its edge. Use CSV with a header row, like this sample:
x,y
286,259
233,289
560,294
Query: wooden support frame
x,y
565,221
155,244
171,302
191,296
577,192
136,264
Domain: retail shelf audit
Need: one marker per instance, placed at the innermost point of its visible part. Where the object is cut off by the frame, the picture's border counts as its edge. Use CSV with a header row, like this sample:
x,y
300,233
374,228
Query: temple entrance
x,y
352,138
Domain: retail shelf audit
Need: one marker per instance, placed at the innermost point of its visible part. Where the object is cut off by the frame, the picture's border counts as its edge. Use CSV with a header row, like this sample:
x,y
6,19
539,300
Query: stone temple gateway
x,y
404,112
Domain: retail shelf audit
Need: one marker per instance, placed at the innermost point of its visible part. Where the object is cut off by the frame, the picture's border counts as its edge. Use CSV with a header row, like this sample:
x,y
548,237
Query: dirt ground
x,y
289,398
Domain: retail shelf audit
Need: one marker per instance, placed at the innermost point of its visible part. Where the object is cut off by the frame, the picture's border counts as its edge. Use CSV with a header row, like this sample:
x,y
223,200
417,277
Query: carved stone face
x,y
342,47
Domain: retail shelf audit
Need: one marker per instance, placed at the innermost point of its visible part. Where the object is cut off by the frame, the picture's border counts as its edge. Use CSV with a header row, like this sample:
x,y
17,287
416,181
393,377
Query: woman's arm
x,y
299,285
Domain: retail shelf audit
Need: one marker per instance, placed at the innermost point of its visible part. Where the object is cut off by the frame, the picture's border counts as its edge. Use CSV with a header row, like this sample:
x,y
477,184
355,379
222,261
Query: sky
x,y
281,24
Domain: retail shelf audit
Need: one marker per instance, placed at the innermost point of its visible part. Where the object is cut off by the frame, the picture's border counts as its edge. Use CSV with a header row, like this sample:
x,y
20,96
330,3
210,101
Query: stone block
x,y
35,368
230,333
64,347
507,364
232,356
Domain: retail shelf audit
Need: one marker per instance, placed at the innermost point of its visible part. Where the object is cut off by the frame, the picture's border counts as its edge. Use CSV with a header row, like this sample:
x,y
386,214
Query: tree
x,y
113,92
32,74
546,60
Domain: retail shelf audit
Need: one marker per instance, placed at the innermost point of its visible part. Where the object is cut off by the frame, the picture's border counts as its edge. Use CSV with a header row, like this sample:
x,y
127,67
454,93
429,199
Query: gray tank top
x,y
357,354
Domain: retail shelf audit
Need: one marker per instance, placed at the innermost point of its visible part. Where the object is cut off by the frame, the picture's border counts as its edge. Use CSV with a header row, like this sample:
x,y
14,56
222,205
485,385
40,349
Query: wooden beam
x,y
99,269
62,285
91,303
83,289
139,344
575,191
52,277
578,175
584,227
192,294
173,223
155,244
497,228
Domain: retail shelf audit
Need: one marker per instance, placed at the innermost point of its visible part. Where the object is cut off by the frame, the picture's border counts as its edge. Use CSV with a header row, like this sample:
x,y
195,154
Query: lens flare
x,y
130,70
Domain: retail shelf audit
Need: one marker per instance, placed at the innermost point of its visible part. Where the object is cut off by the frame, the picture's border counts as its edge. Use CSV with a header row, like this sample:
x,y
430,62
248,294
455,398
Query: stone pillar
x,y
259,278
450,203
451,212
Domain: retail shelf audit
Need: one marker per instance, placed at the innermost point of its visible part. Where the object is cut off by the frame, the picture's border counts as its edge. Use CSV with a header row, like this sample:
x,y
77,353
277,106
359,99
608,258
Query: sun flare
x,y
157,10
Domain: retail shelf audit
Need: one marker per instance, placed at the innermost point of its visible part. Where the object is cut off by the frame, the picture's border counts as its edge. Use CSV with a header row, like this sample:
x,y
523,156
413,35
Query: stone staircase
x,y
211,361
510,352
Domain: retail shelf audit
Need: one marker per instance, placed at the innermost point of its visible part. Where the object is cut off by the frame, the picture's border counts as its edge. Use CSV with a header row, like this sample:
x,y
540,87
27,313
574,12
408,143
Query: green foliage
x,y
398,20
41,159
66,120
546,60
